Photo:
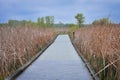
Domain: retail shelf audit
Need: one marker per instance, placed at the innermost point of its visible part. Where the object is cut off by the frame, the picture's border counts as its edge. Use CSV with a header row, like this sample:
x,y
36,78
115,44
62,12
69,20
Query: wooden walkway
x,y
59,62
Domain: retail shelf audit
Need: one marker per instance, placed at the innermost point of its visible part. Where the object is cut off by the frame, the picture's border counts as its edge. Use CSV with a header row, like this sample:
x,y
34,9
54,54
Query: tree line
x,y
103,21
47,21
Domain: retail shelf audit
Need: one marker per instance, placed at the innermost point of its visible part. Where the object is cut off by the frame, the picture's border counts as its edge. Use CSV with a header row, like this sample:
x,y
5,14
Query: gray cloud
x,y
63,10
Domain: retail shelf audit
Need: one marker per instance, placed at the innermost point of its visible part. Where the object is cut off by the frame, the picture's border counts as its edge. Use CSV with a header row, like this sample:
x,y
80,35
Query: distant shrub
x,y
103,21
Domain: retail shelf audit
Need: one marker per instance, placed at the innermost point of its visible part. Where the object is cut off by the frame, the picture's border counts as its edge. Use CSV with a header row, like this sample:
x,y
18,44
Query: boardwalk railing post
x,y
73,35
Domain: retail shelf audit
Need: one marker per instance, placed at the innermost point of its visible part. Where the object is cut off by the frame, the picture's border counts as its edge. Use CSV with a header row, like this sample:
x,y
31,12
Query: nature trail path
x,y
60,61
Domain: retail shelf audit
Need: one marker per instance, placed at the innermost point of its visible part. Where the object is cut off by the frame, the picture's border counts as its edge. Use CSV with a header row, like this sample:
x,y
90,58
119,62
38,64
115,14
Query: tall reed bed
x,y
62,30
18,45
101,47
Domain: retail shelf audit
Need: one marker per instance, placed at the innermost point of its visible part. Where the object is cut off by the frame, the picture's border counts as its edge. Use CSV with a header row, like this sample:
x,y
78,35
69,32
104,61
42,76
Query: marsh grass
x,y
18,45
101,47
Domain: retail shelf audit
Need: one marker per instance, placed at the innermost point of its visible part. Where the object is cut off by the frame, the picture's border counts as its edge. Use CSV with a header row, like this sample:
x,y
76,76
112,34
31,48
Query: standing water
x,y
59,62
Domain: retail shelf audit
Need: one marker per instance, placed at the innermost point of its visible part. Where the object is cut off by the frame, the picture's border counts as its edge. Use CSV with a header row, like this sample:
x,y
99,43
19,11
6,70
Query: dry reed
x,y
18,45
101,47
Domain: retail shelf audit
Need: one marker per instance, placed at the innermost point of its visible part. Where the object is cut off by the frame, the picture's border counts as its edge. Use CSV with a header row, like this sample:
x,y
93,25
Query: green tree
x,y
52,21
80,19
49,21
23,22
41,22
13,23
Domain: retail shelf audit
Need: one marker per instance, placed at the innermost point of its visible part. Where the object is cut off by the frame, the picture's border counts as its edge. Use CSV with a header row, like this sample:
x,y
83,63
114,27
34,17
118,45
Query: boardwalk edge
x,y
88,66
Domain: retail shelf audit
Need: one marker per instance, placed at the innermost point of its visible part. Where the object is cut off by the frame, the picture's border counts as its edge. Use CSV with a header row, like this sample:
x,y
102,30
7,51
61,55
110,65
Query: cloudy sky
x,y
63,10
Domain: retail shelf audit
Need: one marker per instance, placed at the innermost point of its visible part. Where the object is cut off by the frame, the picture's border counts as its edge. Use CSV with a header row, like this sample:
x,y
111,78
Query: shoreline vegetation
x,y
19,44
100,45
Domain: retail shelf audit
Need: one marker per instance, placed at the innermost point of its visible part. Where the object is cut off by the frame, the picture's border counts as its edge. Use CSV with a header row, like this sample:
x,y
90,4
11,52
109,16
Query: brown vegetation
x,y
19,45
62,30
101,47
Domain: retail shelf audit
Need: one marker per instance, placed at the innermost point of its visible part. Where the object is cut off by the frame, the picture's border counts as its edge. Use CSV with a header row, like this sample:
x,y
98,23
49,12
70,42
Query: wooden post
x,y
73,35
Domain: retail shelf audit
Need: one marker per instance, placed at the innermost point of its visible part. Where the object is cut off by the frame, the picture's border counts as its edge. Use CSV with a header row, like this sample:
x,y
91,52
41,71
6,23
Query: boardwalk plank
x,y
59,62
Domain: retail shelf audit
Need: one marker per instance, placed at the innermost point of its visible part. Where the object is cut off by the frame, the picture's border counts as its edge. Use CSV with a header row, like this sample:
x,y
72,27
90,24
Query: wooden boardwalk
x,y
59,62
